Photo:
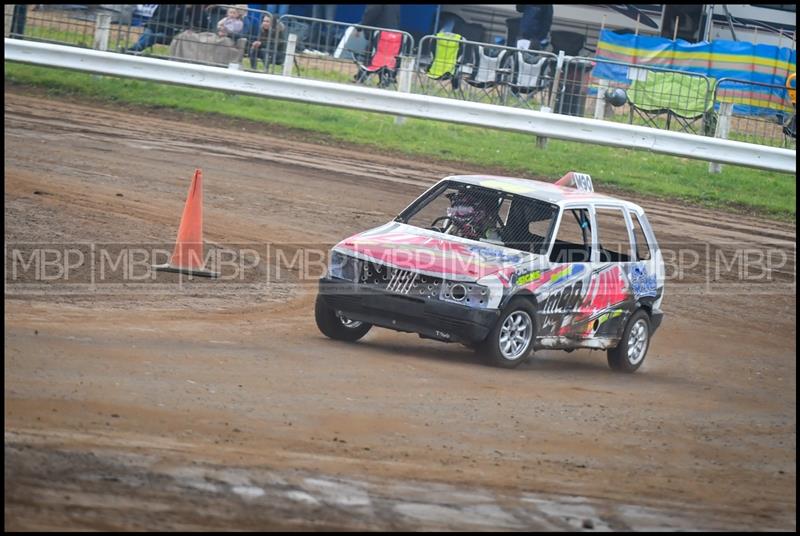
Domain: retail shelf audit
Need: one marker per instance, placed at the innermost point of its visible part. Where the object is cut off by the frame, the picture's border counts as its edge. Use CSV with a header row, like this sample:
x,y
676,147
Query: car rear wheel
x,y
510,341
629,355
337,326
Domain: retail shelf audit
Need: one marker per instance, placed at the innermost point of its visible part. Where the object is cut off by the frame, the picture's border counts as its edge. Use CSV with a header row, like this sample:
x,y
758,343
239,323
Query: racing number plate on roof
x,y
583,182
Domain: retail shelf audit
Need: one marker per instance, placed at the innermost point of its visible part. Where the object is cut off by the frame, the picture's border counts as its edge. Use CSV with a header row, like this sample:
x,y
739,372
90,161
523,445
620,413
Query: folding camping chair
x,y
383,61
444,68
790,127
482,70
530,74
678,97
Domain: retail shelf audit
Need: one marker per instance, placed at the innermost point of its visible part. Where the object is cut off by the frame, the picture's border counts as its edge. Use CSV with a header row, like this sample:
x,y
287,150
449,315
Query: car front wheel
x,y
511,340
336,326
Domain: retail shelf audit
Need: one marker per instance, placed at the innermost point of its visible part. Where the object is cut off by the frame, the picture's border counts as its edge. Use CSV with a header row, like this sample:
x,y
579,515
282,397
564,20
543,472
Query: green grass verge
x,y
637,171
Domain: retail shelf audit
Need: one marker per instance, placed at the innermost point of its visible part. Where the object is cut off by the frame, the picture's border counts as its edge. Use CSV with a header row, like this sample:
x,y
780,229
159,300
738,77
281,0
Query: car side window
x,y
574,237
529,224
614,243
642,247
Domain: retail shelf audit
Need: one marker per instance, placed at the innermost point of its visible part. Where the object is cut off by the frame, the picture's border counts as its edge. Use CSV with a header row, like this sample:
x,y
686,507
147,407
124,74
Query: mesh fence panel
x,y
759,113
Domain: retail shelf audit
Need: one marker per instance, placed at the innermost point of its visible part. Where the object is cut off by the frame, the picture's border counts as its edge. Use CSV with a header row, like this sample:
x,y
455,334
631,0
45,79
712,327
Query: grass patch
x,y
636,171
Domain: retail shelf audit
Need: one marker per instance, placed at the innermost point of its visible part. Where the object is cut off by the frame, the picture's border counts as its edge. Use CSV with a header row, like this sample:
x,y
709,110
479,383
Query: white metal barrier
x,y
398,103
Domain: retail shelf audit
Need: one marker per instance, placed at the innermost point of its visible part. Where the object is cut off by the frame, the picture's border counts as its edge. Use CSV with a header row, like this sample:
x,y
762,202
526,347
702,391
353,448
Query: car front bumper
x,y
431,318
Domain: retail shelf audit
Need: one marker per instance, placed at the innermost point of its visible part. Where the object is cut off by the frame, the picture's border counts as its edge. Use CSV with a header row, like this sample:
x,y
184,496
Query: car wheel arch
x,y
646,305
521,293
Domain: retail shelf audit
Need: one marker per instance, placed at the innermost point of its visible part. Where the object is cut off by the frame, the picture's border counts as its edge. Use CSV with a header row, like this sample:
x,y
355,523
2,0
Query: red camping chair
x,y
383,60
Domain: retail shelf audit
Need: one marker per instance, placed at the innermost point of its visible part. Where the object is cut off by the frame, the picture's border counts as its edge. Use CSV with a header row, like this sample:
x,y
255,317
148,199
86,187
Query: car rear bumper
x,y
431,318
656,317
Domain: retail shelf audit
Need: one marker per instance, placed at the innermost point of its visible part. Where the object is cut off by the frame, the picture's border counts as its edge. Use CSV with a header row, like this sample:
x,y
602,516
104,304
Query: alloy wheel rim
x,y
515,335
348,323
637,342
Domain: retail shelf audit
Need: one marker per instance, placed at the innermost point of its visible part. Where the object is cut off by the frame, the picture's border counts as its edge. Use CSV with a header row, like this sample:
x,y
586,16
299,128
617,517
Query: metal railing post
x,y
556,81
723,127
709,100
288,62
9,15
102,31
541,141
404,81
600,101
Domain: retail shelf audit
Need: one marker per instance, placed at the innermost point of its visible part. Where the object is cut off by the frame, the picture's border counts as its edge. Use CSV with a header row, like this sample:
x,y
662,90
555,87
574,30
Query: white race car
x,y
505,266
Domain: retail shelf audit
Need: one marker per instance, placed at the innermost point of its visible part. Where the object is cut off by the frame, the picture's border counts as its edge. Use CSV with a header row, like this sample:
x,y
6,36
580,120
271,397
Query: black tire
x,y
509,67
333,326
492,351
619,358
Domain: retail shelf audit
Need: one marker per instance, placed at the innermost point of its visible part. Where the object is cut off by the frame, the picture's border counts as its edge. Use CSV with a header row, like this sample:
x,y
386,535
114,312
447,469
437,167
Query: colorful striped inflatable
x,y
742,61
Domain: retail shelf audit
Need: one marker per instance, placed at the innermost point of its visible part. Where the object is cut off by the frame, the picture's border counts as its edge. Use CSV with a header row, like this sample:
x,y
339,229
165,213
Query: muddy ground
x,y
173,404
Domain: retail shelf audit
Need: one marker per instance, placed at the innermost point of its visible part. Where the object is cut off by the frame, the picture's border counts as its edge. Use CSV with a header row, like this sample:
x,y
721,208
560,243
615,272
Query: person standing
x,y
325,12
534,27
382,16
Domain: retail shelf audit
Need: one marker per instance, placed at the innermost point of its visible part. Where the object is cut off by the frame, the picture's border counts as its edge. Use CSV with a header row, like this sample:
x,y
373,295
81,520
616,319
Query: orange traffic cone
x,y
187,258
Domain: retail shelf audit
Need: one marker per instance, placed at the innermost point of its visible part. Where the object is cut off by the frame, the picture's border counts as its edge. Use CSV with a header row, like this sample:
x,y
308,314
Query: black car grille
x,y
397,281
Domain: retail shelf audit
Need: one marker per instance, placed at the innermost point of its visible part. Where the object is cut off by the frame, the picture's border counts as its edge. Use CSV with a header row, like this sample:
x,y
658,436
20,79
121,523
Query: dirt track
x,y
220,405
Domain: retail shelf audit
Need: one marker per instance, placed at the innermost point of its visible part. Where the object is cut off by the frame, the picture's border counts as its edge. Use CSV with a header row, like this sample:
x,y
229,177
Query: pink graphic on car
x,y
412,248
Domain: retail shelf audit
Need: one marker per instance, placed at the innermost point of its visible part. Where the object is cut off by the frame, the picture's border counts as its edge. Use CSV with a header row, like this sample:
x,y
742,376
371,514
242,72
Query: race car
x,y
505,266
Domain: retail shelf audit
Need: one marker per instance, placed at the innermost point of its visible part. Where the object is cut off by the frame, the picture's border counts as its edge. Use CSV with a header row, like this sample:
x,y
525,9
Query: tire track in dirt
x,y
201,139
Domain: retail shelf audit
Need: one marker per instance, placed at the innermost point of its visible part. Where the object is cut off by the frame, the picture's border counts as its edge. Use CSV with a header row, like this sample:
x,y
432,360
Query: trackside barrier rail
x,y
317,48
406,104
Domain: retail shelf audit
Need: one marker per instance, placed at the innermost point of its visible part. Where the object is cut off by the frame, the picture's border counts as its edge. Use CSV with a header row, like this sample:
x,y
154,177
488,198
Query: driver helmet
x,y
472,212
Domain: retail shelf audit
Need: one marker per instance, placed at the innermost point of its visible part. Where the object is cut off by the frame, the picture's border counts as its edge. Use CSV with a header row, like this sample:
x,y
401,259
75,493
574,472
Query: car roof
x,y
544,191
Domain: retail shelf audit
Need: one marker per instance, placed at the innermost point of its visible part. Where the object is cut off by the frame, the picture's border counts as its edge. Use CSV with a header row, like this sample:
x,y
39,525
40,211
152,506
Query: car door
x,y
563,285
609,299
647,269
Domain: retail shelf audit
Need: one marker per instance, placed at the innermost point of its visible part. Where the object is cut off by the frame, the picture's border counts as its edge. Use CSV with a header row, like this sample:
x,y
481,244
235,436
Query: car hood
x,y
430,252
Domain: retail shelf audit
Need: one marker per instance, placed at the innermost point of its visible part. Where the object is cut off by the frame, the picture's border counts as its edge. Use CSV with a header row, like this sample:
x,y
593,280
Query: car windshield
x,y
484,214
